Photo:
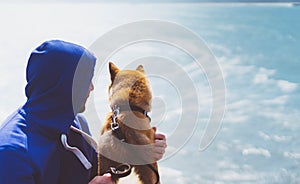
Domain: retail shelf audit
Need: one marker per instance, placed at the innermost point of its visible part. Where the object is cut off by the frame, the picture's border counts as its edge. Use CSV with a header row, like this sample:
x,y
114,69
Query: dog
x,y
126,136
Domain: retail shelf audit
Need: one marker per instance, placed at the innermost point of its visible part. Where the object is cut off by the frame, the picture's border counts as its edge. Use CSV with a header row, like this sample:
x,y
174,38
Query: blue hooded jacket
x,y
58,76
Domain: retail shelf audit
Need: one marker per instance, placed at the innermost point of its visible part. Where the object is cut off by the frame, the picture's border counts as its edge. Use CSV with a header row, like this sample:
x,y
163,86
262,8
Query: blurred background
x,y
256,45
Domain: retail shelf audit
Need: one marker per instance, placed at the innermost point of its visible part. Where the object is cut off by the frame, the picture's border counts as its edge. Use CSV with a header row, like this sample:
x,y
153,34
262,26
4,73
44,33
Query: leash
x,y
115,127
120,171
155,171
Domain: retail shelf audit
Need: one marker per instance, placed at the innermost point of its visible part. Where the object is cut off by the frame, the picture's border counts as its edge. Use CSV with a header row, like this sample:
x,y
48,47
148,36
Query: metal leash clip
x,y
116,111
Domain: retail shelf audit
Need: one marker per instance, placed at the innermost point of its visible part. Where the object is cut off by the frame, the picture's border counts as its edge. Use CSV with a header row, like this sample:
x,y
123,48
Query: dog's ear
x,y
113,70
140,68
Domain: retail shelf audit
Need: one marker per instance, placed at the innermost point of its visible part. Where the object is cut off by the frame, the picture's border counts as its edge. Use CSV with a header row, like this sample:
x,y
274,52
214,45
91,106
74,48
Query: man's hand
x,y
160,145
105,179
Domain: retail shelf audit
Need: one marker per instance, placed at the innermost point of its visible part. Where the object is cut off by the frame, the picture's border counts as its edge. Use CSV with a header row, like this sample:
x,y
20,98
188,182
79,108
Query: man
x,y
37,145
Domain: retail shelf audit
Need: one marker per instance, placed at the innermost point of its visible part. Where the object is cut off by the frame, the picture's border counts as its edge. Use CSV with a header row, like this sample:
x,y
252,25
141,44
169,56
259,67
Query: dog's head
x,y
129,87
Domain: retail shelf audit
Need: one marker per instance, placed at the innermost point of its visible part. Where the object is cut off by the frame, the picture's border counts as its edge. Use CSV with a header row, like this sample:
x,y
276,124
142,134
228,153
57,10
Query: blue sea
x,y
254,46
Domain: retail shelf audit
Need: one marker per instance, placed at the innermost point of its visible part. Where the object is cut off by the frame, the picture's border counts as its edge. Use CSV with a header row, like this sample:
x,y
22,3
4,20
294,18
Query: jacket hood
x,y
58,76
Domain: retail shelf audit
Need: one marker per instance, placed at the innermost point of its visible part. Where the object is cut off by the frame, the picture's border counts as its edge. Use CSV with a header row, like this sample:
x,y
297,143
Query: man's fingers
x,y
107,175
160,150
159,153
160,136
105,179
160,143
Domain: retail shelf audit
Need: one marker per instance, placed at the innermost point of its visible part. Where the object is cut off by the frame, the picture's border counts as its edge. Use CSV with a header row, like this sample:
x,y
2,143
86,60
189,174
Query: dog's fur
x,y
129,87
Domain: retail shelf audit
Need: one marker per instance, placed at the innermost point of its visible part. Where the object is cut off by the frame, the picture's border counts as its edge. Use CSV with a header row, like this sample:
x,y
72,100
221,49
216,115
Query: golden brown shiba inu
x,y
126,136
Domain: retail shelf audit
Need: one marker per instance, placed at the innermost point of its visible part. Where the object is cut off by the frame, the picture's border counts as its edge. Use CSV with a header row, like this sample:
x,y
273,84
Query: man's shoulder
x,y
13,132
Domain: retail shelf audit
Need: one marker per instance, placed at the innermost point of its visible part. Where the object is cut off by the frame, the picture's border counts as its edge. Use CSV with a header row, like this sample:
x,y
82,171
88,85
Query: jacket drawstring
x,y
76,152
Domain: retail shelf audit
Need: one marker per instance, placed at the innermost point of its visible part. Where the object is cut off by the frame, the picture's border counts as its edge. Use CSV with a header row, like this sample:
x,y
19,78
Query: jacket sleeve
x,y
15,168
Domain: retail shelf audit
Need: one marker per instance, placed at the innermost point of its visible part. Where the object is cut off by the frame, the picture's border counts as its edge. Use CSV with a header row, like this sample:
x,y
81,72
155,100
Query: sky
x,y
168,1
255,46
